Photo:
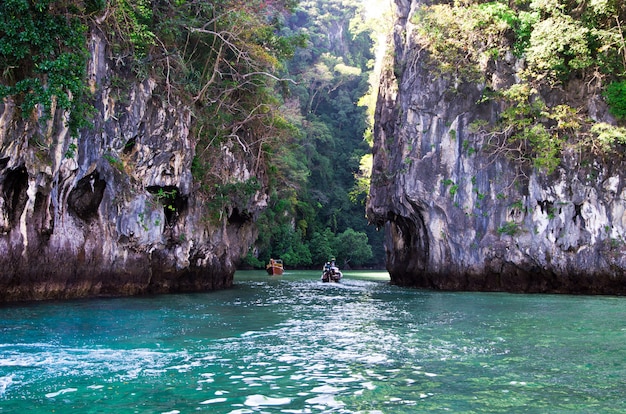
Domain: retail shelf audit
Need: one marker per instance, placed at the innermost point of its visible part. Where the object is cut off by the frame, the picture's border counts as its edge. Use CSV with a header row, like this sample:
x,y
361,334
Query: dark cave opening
x,y
173,202
239,217
15,193
85,198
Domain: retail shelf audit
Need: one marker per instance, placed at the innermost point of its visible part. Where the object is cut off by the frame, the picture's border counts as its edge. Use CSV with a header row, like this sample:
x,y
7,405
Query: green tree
x,y
321,245
353,248
332,75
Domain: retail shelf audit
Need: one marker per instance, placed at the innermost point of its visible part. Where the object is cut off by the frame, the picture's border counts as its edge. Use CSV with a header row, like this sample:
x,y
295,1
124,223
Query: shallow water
x,y
292,344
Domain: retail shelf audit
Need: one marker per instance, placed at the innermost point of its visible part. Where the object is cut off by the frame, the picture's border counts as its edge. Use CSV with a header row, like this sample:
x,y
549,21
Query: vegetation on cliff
x,y
43,57
276,81
564,47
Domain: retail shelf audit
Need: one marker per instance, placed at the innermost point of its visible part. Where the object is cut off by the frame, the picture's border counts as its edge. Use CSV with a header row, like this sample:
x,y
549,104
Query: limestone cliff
x,y
461,218
117,210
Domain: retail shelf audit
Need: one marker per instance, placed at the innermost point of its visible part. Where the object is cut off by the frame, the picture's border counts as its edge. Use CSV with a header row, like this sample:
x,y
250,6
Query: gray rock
x,y
471,220
93,223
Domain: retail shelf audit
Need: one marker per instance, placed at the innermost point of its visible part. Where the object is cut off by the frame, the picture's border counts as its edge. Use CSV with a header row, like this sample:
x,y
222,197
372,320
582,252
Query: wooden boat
x,y
275,267
330,276
331,273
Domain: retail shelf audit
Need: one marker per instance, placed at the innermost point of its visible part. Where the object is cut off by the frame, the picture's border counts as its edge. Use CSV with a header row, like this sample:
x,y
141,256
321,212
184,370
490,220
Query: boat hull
x,y
274,267
328,277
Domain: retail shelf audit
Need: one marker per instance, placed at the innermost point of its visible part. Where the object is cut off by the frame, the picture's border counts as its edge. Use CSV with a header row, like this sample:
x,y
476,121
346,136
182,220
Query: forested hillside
x,y
567,51
320,213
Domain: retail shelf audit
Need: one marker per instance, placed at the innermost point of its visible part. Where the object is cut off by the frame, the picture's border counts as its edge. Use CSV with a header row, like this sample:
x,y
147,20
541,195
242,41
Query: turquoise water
x,y
290,344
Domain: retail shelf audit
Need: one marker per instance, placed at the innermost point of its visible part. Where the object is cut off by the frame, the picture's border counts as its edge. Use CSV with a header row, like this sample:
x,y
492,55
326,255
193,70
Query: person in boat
x,y
326,272
330,271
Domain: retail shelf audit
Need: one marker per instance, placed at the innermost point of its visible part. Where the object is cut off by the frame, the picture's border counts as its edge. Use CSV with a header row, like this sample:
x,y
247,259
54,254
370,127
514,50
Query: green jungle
x,y
295,83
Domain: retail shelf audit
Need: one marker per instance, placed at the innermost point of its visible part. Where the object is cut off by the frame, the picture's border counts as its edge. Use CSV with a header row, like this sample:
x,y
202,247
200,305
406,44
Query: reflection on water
x,y
295,345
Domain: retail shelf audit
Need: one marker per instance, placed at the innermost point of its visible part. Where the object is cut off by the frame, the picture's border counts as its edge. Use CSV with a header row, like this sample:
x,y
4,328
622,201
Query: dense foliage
x,y
43,57
276,81
565,45
323,214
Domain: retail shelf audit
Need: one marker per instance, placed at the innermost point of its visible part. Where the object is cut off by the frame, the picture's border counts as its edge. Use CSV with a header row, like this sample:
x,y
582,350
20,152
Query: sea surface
x,y
291,344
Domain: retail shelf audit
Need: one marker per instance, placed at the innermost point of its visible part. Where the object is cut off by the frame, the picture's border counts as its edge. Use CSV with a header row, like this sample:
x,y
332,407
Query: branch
x,y
247,75
243,147
218,58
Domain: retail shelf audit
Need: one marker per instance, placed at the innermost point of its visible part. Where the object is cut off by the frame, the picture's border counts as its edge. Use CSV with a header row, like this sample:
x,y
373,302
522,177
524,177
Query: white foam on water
x,y
327,400
326,389
171,412
185,367
374,374
152,371
353,378
213,401
368,385
61,392
258,400
208,378
27,360
4,383
287,358
375,359
95,387
108,364
262,364
270,377
252,382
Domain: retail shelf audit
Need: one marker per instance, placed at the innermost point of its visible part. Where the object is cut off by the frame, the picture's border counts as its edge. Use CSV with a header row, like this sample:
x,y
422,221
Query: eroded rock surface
x,y
459,218
116,211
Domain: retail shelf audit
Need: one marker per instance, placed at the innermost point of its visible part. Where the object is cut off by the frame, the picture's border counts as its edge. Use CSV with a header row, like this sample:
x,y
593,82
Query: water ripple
x,y
296,345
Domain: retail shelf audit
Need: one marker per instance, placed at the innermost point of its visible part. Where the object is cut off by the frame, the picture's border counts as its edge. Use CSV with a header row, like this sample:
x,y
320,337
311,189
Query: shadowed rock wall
x,y
88,216
468,220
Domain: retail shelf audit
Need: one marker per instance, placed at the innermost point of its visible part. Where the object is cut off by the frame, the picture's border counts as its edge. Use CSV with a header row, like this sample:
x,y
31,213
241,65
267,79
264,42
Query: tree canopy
x,y
563,43
332,76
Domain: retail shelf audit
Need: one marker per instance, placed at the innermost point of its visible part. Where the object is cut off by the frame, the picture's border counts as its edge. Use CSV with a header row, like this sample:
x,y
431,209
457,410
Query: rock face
x,y
458,218
116,211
